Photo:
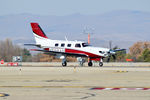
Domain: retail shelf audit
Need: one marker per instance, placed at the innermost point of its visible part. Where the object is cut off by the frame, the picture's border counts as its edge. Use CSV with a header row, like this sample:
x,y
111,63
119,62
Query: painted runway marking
x,y
3,94
46,86
90,87
117,88
121,71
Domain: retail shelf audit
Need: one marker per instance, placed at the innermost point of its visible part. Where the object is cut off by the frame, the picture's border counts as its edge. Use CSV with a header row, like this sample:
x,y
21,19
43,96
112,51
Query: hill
x,y
122,27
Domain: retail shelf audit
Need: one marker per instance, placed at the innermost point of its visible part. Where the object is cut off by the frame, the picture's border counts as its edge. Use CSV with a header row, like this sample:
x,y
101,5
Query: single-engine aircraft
x,y
63,48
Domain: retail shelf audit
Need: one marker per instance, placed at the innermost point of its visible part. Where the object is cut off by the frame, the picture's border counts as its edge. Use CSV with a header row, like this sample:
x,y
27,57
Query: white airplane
x,y
63,48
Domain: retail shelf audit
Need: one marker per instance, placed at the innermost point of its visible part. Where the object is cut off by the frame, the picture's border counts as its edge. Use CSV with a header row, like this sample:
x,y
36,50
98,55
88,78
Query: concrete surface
x,y
56,64
73,83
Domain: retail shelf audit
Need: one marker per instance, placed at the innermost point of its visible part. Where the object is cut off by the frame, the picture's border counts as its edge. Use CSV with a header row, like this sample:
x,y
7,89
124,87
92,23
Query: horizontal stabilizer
x,y
37,45
35,50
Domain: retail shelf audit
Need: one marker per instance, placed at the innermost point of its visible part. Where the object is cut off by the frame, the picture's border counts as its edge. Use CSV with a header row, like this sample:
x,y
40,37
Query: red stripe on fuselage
x,y
46,49
82,52
73,51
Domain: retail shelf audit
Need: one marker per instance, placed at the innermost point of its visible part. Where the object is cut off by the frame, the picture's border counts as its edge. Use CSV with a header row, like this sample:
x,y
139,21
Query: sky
x,y
67,7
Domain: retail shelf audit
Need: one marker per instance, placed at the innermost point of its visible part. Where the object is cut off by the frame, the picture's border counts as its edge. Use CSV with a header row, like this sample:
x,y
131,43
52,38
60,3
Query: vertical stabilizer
x,y
37,30
40,37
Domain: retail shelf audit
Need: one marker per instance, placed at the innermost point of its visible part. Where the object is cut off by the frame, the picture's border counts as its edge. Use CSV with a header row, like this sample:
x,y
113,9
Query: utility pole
x,y
88,38
88,31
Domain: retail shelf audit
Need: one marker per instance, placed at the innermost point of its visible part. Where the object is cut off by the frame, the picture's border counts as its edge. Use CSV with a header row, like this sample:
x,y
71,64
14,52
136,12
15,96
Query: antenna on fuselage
x,y
66,38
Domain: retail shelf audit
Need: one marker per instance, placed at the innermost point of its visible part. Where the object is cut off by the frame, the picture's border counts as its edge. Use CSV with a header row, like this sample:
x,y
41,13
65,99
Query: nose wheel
x,y
100,64
90,63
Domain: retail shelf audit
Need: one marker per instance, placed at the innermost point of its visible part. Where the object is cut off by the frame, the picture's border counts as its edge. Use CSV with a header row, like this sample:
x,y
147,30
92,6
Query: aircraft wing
x,y
119,50
54,52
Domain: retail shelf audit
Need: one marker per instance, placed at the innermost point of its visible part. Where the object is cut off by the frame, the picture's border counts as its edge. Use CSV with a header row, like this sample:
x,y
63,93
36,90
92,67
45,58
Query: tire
x,y
90,63
64,64
100,64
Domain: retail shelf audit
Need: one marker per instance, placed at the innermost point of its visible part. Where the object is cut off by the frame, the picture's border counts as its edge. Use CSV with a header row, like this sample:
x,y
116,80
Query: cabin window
x,y
69,45
62,45
85,44
56,45
78,45
102,52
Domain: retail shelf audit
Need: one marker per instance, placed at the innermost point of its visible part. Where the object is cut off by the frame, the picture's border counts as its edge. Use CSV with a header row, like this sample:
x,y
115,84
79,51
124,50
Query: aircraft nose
x,y
108,52
111,52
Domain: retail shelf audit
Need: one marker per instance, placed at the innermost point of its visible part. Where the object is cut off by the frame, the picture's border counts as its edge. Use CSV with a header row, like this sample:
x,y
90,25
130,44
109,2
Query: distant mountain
x,y
123,27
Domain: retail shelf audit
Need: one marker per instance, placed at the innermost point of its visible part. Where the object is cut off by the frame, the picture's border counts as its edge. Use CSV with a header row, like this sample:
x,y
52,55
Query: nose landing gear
x,y
90,63
101,62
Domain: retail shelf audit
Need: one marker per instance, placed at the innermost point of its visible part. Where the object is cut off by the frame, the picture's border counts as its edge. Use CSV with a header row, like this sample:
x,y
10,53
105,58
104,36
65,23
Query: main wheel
x,y
100,64
64,63
90,63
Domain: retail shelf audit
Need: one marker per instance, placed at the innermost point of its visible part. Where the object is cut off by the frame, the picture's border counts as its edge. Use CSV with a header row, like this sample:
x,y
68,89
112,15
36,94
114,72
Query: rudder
x,y
37,30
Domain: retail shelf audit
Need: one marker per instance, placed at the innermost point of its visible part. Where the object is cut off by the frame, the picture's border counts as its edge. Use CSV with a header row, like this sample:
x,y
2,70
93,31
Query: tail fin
x,y
37,30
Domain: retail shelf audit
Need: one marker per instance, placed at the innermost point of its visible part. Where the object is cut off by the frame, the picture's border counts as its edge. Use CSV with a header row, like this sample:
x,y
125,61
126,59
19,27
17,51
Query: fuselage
x,y
63,48
71,47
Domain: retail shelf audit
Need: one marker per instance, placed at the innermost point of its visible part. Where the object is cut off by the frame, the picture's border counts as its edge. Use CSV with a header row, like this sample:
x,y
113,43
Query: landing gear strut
x,y
81,61
101,62
64,62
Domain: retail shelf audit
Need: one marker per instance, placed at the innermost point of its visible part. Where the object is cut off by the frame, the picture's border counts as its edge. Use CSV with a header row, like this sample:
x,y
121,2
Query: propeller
x,y
112,52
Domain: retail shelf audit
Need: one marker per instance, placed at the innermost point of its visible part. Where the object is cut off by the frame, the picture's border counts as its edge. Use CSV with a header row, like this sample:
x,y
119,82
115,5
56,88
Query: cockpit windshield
x,y
85,44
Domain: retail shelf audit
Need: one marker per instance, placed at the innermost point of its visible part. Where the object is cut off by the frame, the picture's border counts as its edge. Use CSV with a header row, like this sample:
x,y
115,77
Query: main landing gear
x,y
64,62
81,61
101,62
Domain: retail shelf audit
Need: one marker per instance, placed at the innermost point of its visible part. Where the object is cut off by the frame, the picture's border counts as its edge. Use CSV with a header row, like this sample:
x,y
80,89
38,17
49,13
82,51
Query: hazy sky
x,y
66,7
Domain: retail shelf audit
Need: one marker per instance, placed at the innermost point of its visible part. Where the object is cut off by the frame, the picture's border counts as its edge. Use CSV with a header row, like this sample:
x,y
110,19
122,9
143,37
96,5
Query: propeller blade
x,y
110,44
114,57
108,59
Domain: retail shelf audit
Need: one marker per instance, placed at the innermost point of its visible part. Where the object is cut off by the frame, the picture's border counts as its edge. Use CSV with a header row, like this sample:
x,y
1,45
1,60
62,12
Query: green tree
x,y
120,56
145,56
26,55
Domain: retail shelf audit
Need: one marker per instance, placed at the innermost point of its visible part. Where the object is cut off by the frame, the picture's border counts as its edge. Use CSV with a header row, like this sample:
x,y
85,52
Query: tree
x,y
8,50
145,55
140,51
26,55
136,50
120,56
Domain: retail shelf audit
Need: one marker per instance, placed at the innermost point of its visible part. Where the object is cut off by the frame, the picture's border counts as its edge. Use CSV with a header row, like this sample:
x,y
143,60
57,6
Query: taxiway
x,y
71,83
